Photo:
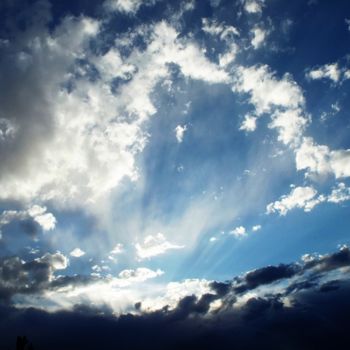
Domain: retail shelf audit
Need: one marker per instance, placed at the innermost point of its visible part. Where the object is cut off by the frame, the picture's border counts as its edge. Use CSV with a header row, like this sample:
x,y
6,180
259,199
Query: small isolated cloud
x,y
327,71
248,124
254,6
154,245
213,239
299,197
118,249
256,228
141,274
77,253
239,231
127,6
259,35
347,22
180,132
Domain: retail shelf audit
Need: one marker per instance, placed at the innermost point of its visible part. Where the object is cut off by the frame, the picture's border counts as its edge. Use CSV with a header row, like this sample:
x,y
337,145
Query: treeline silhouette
x,y
22,343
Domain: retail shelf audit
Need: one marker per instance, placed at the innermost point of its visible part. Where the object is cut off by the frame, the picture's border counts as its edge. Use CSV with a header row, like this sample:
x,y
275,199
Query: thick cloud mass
x,y
303,312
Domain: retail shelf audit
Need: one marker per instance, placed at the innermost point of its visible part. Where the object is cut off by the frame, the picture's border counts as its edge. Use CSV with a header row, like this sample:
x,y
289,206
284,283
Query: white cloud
x,y
179,132
328,71
214,28
266,90
57,261
307,199
118,249
254,6
339,194
299,197
88,137
256,228
141,274
127,6
258,37
239,231
37,213
248,124
320,160
154,245
77,253
290,125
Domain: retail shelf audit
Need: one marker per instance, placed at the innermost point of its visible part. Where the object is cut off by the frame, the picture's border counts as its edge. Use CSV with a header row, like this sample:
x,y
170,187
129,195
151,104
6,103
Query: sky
x,y
174,165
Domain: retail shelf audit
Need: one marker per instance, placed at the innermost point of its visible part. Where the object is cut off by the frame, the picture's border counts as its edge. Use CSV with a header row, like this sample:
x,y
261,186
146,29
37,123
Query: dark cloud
x,y
308,311
331,261
265,275
20,277
315,320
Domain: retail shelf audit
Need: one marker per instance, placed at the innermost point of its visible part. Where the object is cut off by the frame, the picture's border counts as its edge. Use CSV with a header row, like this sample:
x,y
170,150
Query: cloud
x,y
258,37
290,125
328,71
320,160
127,6
141,274
299,197
118,249
273,311
305,198
256,228
248,124
239,231
180,132
265,275
77,253
339,194
266,91
254,6
34,214
20,277
80,138
154,245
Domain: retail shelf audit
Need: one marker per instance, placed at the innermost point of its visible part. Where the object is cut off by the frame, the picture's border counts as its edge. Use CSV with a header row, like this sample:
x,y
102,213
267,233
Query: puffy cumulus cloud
x,y
256,228
274,313
307,199
328,71
180,132
258,37
266,90
249,123
67,136
154,245
239,231
33,215
320,160
225,33
221,30
339,194
141,274
299,197
118,249
77,253
254,6
127,6
290,125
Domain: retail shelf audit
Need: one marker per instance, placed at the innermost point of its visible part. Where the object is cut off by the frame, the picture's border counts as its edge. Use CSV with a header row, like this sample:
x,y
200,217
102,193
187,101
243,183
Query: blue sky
x,y
147,143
